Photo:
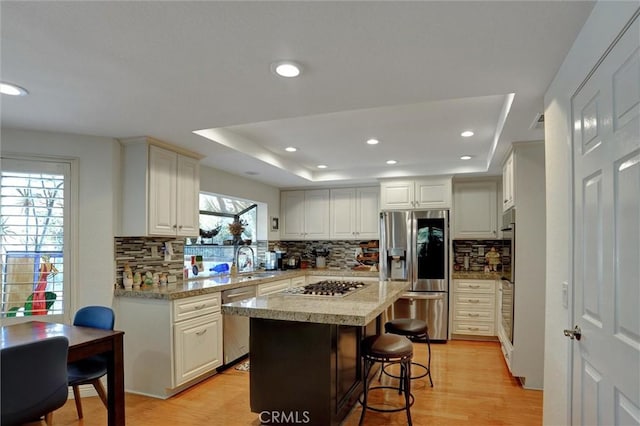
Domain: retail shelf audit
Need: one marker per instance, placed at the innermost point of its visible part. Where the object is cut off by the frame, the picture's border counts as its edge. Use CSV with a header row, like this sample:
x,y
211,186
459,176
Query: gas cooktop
x,y
332,288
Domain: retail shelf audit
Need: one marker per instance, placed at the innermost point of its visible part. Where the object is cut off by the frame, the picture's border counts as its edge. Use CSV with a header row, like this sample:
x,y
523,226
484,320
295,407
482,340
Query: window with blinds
x,y
33,209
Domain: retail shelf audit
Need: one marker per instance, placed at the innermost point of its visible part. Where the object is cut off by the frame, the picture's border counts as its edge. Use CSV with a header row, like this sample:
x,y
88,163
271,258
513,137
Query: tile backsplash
x,y
342,253
476,250
147,254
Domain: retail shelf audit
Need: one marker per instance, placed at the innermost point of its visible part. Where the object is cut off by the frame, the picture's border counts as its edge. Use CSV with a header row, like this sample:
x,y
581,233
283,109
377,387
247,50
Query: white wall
x,y
219,182
98,160
604,24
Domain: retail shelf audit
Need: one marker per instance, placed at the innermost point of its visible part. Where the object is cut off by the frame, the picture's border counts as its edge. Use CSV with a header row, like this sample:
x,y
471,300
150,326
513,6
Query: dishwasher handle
x,y
424,296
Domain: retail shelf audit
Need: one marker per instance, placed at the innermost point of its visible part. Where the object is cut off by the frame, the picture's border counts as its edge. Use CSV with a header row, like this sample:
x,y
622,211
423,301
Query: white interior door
x,y
606,238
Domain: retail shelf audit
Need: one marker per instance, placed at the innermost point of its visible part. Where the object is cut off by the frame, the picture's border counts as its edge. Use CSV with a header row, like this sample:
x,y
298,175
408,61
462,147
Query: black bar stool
x,y
388,348
414,329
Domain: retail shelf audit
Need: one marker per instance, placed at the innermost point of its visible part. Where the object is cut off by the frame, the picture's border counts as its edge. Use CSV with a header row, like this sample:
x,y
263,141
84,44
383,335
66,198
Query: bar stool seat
x,y
414,329
393,349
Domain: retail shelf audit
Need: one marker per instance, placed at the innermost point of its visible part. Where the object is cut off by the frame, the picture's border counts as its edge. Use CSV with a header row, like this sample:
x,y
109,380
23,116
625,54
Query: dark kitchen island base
x,y
305,373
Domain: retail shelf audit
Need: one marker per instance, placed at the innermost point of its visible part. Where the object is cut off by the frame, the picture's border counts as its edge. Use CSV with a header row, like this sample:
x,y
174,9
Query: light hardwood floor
x,y
472,386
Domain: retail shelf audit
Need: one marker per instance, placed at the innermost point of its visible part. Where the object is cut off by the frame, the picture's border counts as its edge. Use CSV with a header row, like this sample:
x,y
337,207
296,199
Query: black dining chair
x,y
90,370
34,380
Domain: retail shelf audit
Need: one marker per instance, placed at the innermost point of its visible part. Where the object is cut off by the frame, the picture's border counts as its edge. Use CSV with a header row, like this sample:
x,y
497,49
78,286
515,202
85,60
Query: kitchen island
x,y
305,351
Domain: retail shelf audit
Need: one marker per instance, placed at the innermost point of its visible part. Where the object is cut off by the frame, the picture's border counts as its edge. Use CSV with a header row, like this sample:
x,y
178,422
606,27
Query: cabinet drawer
x,y
468,315
474,301
197,347
196,306
479,329
477,286
298,281
273,287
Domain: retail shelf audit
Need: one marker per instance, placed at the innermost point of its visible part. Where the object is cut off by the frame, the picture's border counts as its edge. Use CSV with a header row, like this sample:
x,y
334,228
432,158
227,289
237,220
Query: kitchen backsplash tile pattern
x,y
147,254
476,251
342,253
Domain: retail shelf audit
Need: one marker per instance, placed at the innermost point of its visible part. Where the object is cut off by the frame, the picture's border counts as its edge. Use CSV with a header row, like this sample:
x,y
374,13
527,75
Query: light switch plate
x,y
565,294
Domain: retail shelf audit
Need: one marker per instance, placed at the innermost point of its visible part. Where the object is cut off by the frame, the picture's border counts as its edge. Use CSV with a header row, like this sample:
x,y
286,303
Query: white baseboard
x,y
87,391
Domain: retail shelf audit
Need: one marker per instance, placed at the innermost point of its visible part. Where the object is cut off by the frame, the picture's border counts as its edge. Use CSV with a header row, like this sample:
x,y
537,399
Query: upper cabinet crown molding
x,y
160,190
420,193
147,140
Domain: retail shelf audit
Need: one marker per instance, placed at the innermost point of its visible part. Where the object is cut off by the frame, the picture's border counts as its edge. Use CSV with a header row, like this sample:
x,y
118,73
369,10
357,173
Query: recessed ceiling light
x,y
466,157
466,134
12,89
290,149
322,166
250,173
373,141
392,162
286,68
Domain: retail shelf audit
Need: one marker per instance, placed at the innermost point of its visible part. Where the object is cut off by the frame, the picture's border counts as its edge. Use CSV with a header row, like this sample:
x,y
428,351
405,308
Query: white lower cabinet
x,y
474,308
197,347
273,287
298,281
169,345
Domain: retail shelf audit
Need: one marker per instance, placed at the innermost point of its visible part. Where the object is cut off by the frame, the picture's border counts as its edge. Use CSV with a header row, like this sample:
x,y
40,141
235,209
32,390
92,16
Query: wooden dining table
x,y
83,343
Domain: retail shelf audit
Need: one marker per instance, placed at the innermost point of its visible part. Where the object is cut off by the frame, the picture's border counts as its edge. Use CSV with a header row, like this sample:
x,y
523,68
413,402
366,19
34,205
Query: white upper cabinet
x,y
305,214
160,190
423,193
508,193
475,209
354,213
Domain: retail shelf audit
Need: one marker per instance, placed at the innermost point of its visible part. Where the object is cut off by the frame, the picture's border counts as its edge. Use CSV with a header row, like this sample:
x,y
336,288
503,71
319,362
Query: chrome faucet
x,y
249,263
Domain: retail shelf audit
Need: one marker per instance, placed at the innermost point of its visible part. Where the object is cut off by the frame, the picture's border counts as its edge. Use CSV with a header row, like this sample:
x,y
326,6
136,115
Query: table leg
x,y
115,384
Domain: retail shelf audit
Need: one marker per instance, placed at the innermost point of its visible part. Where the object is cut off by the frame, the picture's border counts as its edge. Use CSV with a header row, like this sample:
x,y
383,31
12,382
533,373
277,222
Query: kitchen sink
x,y
256,275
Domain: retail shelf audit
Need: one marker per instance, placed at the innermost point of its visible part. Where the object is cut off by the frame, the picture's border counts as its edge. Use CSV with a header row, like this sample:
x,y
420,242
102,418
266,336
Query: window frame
x,y
53,164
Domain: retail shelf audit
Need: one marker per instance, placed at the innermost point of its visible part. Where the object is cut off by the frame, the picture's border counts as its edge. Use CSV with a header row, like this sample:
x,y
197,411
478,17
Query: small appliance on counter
x,y
270,261
292,262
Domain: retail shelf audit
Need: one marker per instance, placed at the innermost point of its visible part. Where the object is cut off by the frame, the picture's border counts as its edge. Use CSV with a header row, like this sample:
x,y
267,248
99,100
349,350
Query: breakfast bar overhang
x,y
305,351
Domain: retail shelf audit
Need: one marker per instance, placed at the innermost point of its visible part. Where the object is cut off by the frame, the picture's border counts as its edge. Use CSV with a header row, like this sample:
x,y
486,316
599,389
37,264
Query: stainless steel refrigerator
x,y
414,246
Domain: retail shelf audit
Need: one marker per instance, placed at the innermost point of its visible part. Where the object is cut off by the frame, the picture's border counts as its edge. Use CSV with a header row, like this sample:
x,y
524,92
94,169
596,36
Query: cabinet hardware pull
x,y
198,307
174,226
474,286
474,300
473,328
474,315
200,333
180,227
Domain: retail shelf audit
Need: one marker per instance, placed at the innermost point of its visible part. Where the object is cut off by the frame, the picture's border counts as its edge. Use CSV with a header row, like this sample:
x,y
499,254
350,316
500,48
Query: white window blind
x,y
33,219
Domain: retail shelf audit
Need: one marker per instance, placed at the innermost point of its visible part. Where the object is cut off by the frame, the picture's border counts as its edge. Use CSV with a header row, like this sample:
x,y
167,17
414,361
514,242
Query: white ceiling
x,y
412,74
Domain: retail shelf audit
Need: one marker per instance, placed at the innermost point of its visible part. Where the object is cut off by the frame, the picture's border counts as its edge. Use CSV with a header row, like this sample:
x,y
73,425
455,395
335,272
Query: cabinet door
x,y
316,214
292,212
396,195
343,214
187,196
508,198
474,210
367,213
433,193
197,347
162,191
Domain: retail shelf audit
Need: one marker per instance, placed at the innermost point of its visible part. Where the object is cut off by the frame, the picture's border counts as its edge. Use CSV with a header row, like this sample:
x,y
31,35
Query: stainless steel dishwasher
x,y
235,328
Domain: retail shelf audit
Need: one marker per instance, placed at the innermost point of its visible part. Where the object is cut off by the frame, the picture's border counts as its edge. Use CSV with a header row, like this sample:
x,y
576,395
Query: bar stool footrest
x,y
425,374
386,410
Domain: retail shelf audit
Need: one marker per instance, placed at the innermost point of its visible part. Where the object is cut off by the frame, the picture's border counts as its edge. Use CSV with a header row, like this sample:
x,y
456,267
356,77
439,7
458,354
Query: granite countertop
x,y
459,275
358,308
202,286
